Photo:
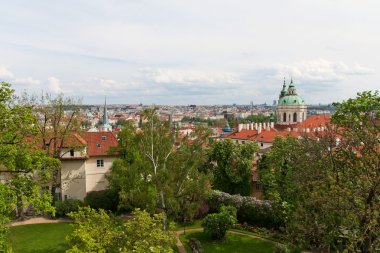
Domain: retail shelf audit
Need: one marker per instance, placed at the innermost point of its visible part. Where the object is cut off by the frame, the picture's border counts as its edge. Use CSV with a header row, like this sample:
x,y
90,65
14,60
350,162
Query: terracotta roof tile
x,y
99,143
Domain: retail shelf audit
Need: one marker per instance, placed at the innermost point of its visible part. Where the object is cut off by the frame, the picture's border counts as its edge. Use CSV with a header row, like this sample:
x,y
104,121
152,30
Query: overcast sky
x,y
191,52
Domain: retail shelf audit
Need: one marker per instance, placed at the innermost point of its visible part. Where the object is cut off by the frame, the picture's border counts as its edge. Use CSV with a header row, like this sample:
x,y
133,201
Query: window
x,y
98,145
261,144
99,163
71,152
104,138
242,142
295,117
284,117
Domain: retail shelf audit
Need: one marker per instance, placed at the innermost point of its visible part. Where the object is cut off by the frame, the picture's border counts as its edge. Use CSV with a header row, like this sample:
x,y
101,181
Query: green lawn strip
x,y
180,226
266,237
233,243
40,238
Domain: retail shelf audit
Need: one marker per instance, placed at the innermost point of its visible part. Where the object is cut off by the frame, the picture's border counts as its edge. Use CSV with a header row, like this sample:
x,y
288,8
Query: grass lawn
x,y
40,238
195,224
233,244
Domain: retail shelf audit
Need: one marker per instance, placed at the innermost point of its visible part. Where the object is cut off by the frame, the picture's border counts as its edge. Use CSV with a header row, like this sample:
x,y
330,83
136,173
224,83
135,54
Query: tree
x,y
58,119
97,231
23,168
159,169
216,224
331,181
231,165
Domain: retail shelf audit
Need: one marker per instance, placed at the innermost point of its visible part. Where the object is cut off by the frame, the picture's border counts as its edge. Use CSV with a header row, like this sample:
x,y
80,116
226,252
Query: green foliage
x,y
97,231
23,168
249,209
327,190
216,224
63,208
158,170
107,200
231,165
233,243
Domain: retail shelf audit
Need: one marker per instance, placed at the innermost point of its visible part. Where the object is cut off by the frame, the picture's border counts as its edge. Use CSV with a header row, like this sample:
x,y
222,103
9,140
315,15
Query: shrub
x,y
249,209
195,245
69,205
107,200
216,224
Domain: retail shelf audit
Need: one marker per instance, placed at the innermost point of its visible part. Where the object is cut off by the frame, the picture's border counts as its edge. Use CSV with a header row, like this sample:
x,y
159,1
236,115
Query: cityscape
x,y
202,126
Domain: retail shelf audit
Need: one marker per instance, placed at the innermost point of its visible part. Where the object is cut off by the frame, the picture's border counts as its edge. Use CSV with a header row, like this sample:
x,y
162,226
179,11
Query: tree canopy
x,y
231,165
159,168
23,167
327,187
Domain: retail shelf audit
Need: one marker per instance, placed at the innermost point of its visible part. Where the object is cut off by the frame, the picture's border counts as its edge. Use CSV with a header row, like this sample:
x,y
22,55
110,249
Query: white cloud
x,y
5,73
320,70
178,76
54,84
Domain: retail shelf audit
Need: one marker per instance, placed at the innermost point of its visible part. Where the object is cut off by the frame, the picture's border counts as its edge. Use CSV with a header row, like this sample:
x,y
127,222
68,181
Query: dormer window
x,y
71,152
104,138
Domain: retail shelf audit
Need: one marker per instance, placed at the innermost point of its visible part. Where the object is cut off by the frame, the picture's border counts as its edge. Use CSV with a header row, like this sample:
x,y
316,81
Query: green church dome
x,y
291,100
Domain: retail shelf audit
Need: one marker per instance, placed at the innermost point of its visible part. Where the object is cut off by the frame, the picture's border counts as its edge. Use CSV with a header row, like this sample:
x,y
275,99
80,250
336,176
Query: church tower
x,y
291,108
105,126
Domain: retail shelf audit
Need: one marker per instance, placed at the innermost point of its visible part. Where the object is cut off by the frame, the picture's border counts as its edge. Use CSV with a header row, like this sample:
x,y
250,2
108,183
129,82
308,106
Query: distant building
x,y
291,115
291,108
105,126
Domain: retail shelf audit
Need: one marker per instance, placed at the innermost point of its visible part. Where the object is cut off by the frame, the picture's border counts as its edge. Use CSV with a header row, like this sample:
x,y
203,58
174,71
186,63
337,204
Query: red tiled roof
x,y
97,145
242,135
315,121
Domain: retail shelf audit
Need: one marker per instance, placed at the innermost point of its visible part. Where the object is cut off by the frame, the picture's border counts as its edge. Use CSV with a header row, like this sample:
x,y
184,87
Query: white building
x,y
86,164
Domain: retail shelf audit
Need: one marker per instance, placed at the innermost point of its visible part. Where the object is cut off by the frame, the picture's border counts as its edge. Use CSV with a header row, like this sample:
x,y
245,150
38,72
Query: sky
x,y
190,52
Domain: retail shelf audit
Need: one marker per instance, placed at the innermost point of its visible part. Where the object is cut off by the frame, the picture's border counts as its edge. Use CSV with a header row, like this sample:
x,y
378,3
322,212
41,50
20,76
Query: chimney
x,y
240,127
252,126
307,130
264,125
259,129
256,126
272,124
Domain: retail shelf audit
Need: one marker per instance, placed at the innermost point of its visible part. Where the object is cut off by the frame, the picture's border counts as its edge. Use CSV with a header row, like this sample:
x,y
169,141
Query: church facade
x,y
291,108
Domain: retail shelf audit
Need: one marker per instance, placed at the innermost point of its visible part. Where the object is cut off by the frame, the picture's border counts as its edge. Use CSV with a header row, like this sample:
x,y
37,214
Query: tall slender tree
x,y
159,168
58,120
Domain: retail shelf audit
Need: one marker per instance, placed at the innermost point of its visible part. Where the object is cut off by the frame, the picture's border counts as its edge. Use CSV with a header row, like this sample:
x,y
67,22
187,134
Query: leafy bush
x,y
217,224
249,209
99,231
69,205
283,248
107,200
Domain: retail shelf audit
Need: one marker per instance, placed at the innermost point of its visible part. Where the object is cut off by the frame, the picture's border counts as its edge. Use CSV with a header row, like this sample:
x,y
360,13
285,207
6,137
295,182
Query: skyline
x,y
200,52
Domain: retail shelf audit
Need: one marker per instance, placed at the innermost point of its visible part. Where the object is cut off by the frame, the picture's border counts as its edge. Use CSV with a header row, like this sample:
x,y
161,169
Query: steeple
x,y
105,126
292,89
105,113
284,90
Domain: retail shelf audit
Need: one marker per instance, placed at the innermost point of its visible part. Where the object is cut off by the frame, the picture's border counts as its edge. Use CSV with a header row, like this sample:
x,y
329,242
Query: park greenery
x,y
216,224
159,170
98,231
327,186
23,168
231,166
321,191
